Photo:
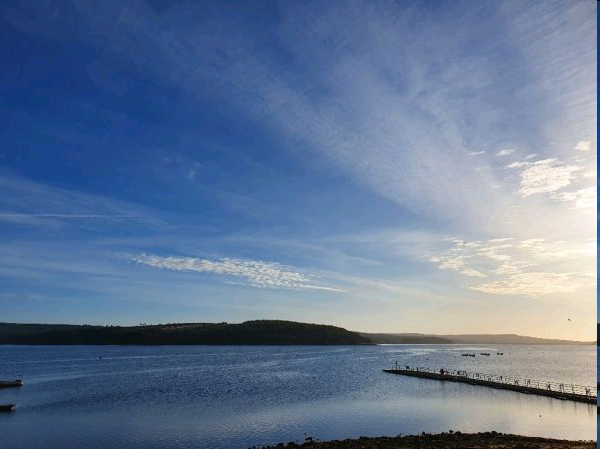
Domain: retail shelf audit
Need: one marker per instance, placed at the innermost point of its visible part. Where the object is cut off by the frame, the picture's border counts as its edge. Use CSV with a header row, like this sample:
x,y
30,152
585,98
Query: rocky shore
x,y
450,440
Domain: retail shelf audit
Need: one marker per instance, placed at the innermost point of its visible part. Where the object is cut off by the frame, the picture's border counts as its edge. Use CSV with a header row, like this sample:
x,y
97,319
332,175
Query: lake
x,y
242,396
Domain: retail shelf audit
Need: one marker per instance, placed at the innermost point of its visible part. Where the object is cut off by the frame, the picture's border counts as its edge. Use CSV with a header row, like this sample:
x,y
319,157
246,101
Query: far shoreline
x,y
248,333
447,440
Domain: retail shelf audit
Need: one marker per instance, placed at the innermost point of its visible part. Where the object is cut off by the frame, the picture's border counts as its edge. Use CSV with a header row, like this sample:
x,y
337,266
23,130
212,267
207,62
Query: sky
x,y
383,166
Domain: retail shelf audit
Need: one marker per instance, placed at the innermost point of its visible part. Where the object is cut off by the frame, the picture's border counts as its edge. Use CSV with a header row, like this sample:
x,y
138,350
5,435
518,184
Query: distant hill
x,y
505,339
263,332
511,339
407,339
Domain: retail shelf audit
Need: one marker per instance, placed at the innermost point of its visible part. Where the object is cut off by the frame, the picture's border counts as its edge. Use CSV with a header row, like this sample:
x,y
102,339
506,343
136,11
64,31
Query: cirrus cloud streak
x,y
256,273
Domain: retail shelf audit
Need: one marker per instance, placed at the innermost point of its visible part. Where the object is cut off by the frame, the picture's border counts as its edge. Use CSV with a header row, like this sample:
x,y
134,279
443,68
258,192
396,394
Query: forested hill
x,y
263,332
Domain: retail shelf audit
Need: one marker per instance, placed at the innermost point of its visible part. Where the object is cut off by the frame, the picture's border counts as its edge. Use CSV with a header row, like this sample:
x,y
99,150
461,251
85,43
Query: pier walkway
x,y
576,393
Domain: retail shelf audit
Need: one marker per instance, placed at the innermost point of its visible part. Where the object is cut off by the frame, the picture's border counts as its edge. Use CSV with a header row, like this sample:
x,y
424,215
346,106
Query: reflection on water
x,y
208,397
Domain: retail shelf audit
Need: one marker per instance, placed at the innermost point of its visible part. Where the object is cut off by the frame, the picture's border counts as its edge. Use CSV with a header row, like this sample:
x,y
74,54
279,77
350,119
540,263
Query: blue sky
x,y
381,166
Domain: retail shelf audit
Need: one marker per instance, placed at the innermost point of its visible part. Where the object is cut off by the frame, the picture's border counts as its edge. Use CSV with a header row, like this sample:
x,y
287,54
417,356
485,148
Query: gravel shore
x,y
451,440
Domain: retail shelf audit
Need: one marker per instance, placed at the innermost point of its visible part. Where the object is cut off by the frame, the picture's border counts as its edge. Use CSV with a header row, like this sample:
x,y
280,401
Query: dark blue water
x,y
236,397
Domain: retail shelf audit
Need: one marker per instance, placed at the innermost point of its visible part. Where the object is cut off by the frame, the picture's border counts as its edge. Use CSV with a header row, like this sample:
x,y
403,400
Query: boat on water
x,y
468,355
11,383
499,353
484,353
7,407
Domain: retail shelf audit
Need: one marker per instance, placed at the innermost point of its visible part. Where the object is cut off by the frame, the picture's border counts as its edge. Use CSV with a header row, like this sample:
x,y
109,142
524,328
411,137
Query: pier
x,y
570,392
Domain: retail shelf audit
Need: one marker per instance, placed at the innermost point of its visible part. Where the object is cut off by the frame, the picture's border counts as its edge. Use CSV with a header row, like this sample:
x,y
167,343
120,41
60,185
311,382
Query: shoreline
x,y
445,440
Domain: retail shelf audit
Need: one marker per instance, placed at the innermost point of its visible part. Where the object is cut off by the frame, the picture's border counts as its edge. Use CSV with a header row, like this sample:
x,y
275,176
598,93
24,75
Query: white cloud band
x,y
257,273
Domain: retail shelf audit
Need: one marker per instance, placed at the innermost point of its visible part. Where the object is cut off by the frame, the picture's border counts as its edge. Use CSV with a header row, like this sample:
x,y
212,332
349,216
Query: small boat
x,y
484,353
468,355
499,353
7,407
11,383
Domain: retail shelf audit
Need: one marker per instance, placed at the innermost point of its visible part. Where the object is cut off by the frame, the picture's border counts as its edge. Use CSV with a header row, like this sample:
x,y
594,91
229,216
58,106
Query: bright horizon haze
x,y
381,166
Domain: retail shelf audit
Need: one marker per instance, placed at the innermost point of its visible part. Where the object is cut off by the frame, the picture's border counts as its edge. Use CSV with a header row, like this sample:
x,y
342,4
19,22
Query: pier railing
x,y
526,383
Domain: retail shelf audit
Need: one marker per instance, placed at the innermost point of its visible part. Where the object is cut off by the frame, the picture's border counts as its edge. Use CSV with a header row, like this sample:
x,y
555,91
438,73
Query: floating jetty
x,y
570,392
11,383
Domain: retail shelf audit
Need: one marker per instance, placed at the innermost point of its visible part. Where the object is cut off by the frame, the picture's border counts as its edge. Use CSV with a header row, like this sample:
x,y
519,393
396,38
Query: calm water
x,y
236,397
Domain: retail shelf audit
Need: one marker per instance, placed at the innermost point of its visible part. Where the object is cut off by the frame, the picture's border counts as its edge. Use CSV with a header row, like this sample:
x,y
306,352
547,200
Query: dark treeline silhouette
x,y
263,332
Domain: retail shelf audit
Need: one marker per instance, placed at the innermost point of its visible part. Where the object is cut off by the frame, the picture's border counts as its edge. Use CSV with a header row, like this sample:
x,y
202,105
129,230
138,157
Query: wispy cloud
x,y
590,174
193,171
582,199
416,121
473,273
548,175
15,216
452,263
359,111
535,284
256,273
521,267
505,152
551,59
558,250
584,145
32,203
